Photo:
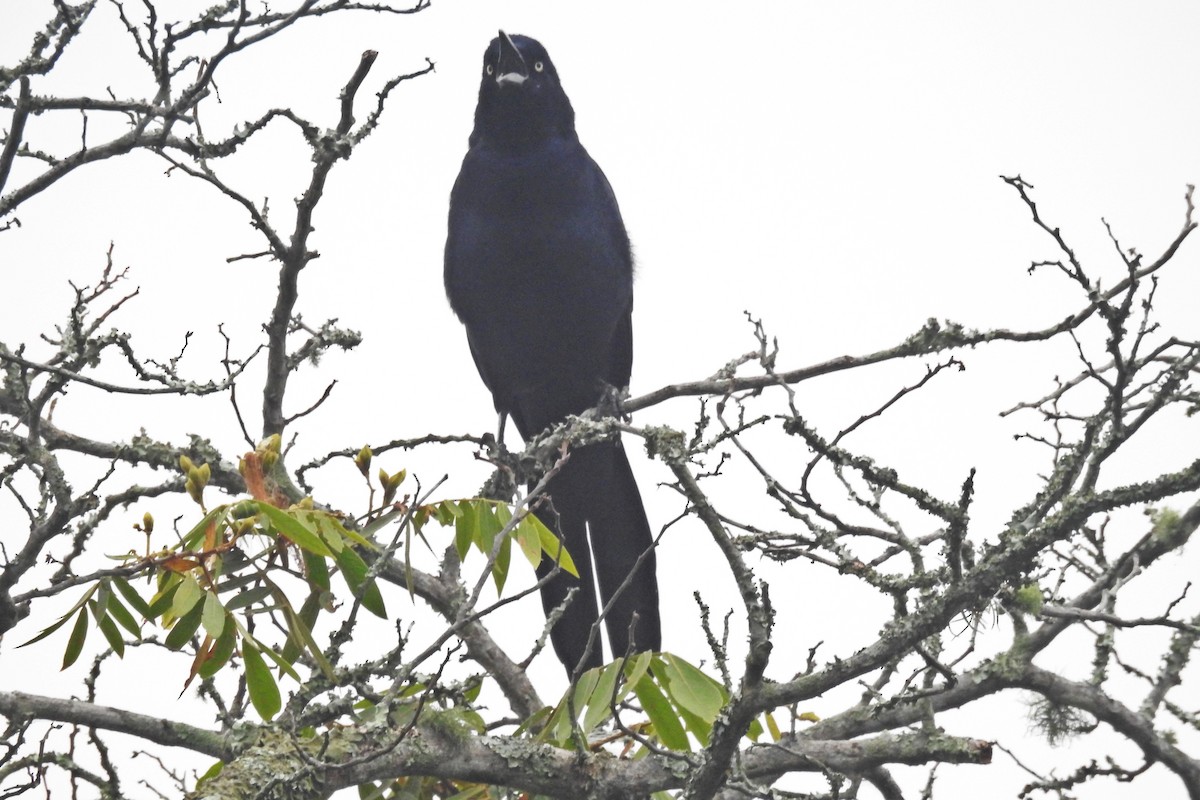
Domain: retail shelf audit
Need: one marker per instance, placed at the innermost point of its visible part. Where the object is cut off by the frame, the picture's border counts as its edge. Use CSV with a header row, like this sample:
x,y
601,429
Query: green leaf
x,y
264,692
354,570
248,597
235,561
504,557
295,643
685,686
773,726
221,652
448,511
78,637
113,636
697,726
100,604
194,538
635,670
527,538
318,522
487,524
552,547
133,598
63,619
691,689
48,630
107,627
317,570
210,773
187,596
379,523
408,570
600,703
582,691
184,628
294,531
585,687
161,602
300,628
370,791
118,611
464,529
213,615
284,667
662,715
333,527
754,730
540,720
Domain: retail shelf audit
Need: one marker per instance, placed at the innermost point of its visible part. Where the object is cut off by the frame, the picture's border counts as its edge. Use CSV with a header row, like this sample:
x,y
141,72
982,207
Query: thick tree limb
x,y
18,705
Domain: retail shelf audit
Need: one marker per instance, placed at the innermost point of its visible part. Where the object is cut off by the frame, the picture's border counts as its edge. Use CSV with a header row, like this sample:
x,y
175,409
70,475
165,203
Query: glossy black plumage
x,y
538,267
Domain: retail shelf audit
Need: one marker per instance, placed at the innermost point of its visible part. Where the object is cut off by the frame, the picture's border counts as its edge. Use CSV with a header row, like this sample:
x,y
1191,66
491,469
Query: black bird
x,y
539,269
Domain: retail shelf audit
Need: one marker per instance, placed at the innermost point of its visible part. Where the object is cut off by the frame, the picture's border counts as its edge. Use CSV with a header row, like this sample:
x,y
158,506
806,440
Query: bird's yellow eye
x,y
538,66
490,69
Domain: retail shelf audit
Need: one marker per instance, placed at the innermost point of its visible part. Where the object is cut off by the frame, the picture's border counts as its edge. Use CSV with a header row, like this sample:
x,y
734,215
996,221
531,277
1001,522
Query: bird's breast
x,y
535,224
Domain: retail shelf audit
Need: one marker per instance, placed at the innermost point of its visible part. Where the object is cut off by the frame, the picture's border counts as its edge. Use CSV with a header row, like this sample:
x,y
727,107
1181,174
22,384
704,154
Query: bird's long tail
x,y
596,489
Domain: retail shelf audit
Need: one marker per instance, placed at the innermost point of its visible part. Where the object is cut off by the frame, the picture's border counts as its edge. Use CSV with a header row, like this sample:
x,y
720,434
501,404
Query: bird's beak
x,y
510,65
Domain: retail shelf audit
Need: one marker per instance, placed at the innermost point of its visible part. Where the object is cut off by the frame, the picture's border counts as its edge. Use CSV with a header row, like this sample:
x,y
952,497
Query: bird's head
x,y
521,101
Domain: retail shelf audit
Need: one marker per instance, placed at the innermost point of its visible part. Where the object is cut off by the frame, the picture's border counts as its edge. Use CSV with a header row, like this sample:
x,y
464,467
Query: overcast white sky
x,y
830,167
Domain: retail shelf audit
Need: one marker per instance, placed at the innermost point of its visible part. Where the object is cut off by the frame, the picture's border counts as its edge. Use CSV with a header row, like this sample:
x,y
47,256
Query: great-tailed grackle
x,y
539,269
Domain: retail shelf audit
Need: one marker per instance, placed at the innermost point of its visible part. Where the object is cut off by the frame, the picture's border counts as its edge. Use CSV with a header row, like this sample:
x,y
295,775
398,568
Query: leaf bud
x,y
363,460
194,491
